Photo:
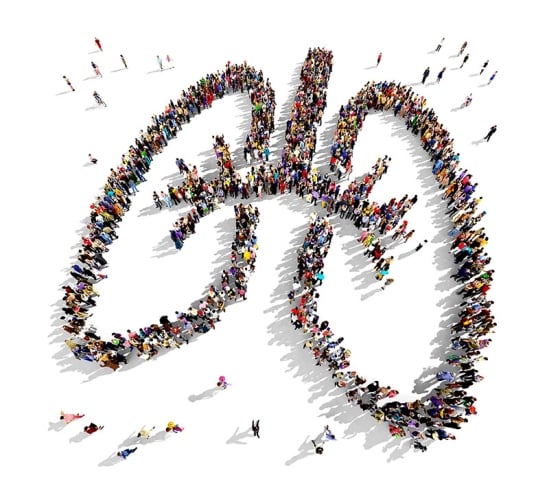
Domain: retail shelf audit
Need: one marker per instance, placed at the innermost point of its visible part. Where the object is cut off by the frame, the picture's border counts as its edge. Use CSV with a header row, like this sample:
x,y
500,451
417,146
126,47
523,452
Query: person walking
x,y
92,159
123,59
92,428
439,46
159,62
465,59
490,133
484,66
124,454
255,428
98,99
492,77
145,433
462,49
98,43
468,100
425,75
69,418
440,74
69,84
379,58
388,281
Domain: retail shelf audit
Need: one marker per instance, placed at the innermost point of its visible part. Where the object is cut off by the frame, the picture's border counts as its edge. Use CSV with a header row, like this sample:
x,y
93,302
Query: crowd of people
x,y
108,210
449,404
168,333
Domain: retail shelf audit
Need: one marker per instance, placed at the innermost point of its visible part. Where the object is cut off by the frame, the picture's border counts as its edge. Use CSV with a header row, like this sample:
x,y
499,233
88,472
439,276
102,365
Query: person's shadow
x,y
159,436
111,460
57,426
206,394
236,437
78,437
304,450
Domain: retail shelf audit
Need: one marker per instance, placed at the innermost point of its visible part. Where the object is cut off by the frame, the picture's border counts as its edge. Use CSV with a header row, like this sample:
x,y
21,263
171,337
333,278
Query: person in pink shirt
x,y
68,418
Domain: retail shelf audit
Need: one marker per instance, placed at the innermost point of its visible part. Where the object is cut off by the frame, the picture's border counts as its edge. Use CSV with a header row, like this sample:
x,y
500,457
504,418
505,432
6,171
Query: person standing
x,y
319,446
176,240
439,46
159,62
492,77
174,427
425,75
490,133
379,58
409,235
96,70
222,383
440,74
126,452
123,59
255,428
328,435
465,59
420,245
98,43
145,433
69,84
484,66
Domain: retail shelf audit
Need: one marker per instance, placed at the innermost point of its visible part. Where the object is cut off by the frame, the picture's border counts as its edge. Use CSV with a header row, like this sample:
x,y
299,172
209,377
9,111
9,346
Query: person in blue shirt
x,y
126,452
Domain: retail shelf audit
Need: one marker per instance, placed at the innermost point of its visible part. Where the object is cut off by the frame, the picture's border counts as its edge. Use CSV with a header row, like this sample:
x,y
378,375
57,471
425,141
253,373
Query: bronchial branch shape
x,y
448,405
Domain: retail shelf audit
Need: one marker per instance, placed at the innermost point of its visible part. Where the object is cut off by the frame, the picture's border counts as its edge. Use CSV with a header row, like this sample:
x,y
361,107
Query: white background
x,y
396,336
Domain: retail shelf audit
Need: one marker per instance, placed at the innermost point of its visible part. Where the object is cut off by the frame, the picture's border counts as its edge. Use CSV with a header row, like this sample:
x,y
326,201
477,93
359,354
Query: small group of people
x,y
143,433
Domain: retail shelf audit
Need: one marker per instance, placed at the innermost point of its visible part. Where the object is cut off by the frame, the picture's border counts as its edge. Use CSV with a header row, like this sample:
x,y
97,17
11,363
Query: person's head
x,y
118,453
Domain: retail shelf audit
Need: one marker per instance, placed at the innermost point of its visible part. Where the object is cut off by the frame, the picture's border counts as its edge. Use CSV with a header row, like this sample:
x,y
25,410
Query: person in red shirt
x,y
92,428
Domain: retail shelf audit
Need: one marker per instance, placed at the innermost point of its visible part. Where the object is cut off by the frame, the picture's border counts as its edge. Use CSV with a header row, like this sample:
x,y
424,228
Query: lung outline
x,y
272,110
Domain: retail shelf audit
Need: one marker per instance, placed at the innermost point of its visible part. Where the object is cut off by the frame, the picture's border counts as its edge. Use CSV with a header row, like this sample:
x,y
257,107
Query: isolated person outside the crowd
x,y
125,453
69,418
